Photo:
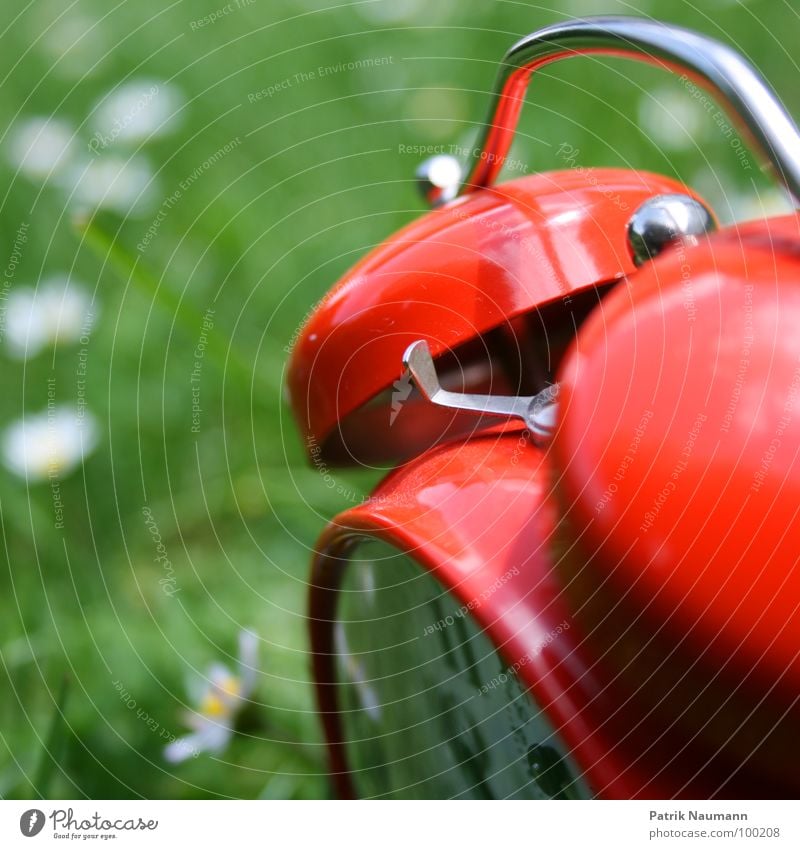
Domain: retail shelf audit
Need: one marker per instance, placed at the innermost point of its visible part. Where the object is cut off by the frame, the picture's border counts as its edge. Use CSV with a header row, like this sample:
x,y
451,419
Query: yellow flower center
x,y
214,704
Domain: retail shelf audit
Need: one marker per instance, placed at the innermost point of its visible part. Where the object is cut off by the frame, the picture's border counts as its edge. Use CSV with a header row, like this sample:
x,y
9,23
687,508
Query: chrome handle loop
x,y
751,102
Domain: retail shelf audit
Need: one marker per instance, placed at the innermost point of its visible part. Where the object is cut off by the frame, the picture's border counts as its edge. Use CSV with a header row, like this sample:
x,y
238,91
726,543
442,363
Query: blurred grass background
x,y
315,178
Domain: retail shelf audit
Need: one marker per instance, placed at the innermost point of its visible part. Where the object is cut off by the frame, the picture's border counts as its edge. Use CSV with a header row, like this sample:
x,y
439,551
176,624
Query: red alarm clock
x,y
581,579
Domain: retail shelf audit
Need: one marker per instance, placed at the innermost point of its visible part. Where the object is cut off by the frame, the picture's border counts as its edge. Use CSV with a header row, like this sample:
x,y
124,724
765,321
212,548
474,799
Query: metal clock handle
x,y
726,74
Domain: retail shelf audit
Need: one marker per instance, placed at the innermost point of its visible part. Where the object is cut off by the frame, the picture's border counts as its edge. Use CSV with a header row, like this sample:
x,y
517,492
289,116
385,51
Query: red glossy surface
x,y
478,515
450,276
680,452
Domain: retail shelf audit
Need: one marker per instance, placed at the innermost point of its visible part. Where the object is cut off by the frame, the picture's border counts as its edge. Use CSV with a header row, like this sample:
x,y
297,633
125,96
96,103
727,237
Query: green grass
x,y
315,179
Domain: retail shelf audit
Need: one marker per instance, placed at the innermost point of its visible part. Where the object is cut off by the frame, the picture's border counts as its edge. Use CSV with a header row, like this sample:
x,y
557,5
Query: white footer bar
x,y
384,825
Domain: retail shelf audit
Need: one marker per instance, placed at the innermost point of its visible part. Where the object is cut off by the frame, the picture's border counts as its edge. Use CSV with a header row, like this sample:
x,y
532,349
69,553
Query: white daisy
x,y
49,444
752,204
58,311
76,43
672,120
219,702
391,11
731,205
136,110
583,8
112,182
41,147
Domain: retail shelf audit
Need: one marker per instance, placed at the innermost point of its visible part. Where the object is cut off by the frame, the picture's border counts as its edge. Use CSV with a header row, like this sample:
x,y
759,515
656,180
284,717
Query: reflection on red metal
x,y
679,454
448,278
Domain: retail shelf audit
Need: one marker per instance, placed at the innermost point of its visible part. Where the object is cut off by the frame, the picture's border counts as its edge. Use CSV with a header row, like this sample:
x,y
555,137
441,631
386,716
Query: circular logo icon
x,y
31,822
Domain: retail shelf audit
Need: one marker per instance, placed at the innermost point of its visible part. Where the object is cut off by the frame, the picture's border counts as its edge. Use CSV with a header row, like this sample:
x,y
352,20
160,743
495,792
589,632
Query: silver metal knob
x,y
665,219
